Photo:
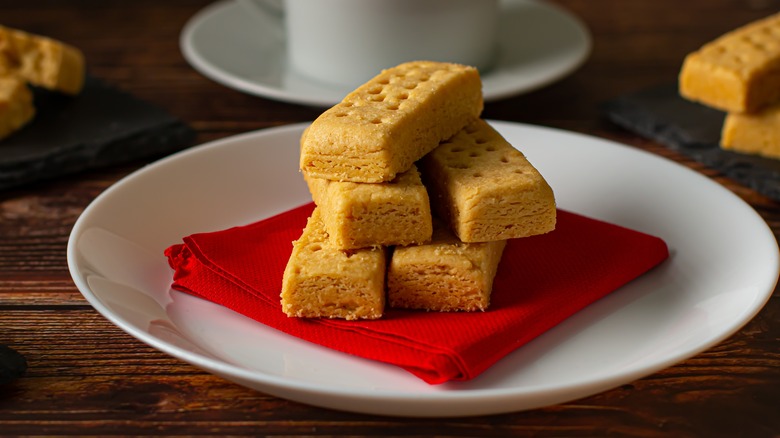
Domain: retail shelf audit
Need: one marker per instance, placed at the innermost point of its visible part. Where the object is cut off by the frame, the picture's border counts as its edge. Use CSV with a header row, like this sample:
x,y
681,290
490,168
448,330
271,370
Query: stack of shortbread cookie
x,y
37,60
415,198
740,73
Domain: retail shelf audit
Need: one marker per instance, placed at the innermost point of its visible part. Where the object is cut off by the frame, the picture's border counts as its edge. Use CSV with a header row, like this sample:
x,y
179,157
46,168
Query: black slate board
x,y
12,364
101,126
660,114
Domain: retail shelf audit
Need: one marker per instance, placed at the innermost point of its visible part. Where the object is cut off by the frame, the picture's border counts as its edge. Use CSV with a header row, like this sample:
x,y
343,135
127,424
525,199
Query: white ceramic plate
x,y
722,269
539,43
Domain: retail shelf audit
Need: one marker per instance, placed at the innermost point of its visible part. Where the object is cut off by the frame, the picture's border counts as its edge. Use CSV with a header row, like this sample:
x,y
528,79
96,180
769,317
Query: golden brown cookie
x,y
757,133
388,123
360,215
41,61
16,105
738,71
322,282
444,275
485,188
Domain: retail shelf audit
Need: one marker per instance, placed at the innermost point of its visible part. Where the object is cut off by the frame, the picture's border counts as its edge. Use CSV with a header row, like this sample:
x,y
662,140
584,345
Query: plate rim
x,y
452,397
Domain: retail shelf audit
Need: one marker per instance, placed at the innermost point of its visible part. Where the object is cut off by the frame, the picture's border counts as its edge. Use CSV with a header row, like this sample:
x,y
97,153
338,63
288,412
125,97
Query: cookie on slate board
x,y
16,105
660,114
736,72
101,126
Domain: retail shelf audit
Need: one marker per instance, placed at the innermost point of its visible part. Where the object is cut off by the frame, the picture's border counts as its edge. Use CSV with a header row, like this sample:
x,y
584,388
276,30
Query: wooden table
x,y
87,377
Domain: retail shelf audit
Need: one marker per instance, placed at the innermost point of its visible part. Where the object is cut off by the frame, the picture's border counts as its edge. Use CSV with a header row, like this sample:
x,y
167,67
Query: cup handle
x,y
268,13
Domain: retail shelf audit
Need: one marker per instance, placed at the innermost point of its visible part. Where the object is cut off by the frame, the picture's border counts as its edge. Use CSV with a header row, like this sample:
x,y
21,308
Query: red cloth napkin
x,y
541,281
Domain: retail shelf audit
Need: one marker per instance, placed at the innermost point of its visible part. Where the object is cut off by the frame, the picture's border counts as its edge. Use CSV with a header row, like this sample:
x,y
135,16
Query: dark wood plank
x,y
104,378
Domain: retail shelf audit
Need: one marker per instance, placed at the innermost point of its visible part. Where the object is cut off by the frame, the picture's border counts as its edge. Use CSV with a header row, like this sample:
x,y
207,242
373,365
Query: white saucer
x,y
539,44
719,275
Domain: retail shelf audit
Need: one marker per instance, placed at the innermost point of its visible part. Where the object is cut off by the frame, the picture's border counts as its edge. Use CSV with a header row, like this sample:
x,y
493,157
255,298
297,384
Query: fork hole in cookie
x,y
759,44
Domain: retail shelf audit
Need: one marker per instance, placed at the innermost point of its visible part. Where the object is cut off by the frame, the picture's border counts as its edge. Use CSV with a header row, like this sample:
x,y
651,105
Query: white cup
x,y
347,42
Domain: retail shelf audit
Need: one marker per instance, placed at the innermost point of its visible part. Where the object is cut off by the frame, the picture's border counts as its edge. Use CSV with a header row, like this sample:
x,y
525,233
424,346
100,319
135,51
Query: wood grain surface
x,y
87,377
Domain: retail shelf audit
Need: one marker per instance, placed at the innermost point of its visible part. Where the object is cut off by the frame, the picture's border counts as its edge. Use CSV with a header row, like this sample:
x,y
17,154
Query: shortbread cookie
x,y
757,133
486,189
444,275
41,61
16,105
388,123
360,215
323,282
738,71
